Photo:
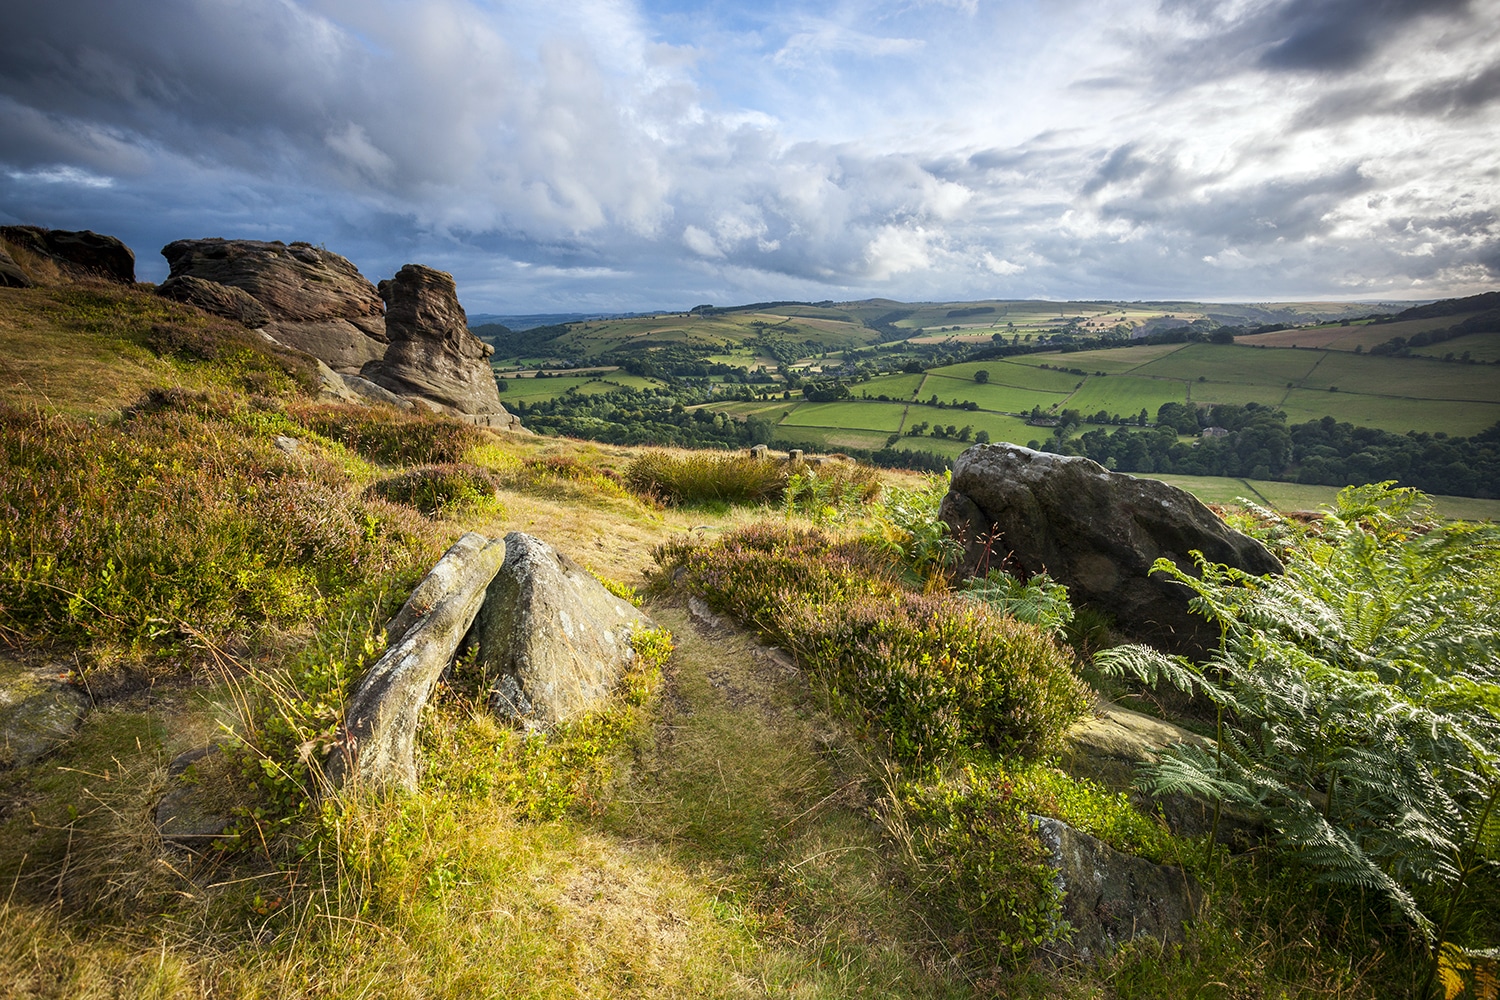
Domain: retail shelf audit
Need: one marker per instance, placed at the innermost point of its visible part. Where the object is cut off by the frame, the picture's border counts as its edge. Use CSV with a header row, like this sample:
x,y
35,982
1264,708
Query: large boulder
x,y
376,746
77,254
317,301
553,640
37,712
1097,531
432,354
1110,898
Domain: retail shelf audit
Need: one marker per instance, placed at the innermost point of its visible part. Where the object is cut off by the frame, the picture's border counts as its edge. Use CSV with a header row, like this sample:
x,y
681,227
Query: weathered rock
x,y
37,712
11,274
1111,898
1097,531
194,810
367,391
376,745
555,641
80,254
1111,746
214,297
318,301
432,354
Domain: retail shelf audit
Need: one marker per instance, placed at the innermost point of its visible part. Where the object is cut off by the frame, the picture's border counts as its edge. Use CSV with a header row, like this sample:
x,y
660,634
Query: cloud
x,y
551,155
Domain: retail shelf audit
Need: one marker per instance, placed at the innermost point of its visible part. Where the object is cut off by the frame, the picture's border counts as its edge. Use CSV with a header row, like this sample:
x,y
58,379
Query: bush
x,y
391,437
977,864
931,673
434,489
706,476
175,526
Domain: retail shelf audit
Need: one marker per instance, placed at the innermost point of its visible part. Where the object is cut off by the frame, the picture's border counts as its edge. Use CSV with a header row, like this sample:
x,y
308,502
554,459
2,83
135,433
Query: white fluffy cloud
x,y
605,154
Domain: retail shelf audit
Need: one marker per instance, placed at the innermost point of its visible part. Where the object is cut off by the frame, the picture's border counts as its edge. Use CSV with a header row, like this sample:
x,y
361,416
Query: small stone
x,y
37,712
194,810
287,444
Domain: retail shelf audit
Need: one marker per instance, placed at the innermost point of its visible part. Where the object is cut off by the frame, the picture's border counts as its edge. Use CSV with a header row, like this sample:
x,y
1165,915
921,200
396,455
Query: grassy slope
x,y
734,855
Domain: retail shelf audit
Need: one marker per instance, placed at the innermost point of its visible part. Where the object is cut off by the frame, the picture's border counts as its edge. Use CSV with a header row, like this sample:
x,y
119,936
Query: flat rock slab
x,y
1111,898
553,640
194,811
1098,532
37,712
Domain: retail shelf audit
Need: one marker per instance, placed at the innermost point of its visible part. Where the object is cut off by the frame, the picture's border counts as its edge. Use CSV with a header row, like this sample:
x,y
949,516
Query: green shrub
x,y
434,489
706,477
977,865
175,526
931,673
389,436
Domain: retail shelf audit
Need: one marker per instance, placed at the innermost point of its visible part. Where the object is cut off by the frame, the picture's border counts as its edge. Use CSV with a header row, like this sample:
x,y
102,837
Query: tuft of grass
x,y
563,477
706,477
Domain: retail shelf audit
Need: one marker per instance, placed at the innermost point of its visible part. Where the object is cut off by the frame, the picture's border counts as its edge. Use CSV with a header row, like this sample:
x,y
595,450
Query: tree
x,y
982,376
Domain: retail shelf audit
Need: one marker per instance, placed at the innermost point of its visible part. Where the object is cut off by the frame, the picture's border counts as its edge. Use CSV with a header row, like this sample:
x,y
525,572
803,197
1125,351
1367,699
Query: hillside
x,y
202,548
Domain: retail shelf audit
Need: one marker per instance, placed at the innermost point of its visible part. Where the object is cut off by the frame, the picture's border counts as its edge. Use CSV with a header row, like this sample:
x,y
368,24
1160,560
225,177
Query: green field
x,y
894,386
856,414
1297,497
1396,415
1125,395
1002,398
1110,360
1482,347
1231,363
1008,372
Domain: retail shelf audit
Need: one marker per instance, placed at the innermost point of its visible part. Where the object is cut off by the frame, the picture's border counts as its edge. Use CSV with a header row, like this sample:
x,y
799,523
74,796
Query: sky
x,y
623,155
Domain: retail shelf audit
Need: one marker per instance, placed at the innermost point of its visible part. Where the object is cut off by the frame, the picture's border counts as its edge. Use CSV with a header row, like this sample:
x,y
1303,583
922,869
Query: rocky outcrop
x,y
554,640
11,275
317,301
77,254
1110,898
219,299
432,356
376,743
37,712
1097,531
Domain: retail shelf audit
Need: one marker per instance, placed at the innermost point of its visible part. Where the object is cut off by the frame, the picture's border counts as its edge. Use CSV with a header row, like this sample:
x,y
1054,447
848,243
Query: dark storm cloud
x,y
1325,37
1335,35
1455,96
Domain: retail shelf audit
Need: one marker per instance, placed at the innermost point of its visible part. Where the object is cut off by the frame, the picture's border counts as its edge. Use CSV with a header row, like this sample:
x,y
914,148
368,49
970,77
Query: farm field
x,y
856,414
1297,497
1007,372
1002,398
1126,395
1346,338
1395,415
1482,347
1230,363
